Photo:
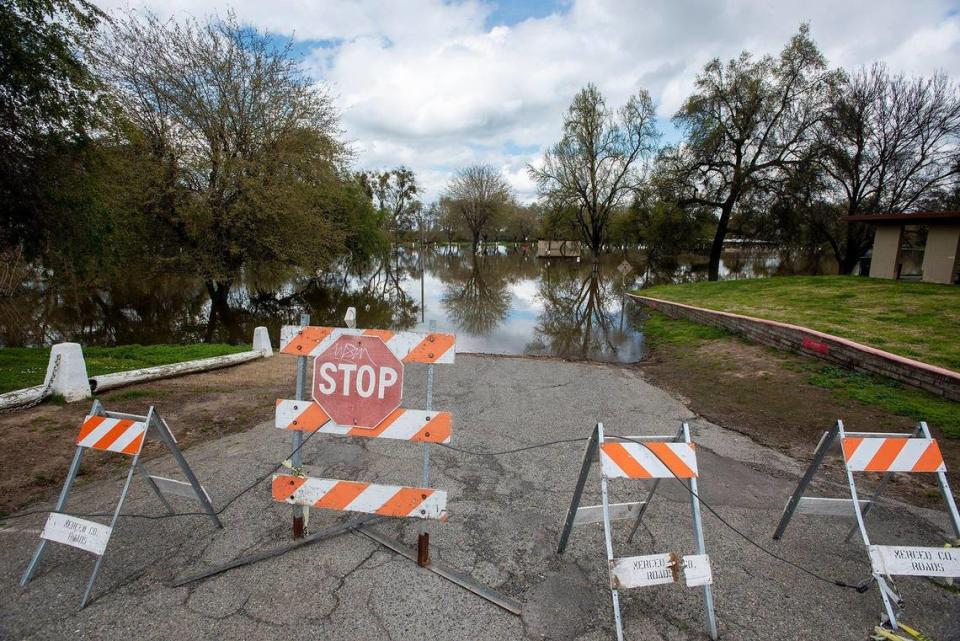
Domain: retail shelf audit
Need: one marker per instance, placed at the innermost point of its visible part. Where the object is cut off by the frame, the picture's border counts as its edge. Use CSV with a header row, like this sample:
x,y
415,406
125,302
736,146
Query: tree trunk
x,y
855,247
596,240
219,306
716,249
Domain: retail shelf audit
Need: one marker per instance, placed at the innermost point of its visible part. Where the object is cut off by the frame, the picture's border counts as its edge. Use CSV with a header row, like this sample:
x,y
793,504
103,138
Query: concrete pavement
x,y
505,517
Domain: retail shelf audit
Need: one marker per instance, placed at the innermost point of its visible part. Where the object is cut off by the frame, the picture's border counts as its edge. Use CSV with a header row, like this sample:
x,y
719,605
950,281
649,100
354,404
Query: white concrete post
x,y
350,318
261,342
70,379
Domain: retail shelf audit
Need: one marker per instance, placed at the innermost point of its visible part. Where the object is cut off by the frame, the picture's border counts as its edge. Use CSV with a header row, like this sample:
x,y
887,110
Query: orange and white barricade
x,y
643,458
410,347
886,454
125,434
356,391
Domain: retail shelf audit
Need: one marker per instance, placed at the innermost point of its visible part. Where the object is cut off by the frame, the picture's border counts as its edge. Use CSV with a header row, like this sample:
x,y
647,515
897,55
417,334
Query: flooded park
x,y
500,300
479,320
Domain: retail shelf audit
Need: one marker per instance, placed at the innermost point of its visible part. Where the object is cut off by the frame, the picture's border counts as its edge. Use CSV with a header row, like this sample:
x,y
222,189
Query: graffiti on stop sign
x,y
347,377
358,381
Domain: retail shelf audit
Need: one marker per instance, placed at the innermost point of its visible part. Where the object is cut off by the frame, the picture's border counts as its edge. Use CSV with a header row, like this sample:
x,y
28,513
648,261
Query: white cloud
x,y
435,85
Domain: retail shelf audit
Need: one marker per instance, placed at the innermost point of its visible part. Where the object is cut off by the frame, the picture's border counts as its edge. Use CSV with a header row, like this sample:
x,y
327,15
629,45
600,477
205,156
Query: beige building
x,y
558,249
922,246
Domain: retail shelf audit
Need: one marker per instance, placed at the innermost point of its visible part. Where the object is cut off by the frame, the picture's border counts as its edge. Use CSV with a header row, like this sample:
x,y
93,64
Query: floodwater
x,y
500,301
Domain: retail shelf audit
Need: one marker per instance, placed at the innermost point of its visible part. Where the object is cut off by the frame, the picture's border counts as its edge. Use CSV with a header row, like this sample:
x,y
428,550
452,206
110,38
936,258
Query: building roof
x,y
918,218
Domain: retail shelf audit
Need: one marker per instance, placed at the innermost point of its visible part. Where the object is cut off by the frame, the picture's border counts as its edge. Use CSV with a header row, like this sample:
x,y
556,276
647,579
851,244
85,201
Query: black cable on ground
x,y
730,526
151,517
746,538
519,449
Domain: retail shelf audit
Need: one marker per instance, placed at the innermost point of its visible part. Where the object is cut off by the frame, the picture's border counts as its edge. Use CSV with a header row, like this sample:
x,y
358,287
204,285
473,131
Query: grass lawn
x,y
684,337
26,366
917,320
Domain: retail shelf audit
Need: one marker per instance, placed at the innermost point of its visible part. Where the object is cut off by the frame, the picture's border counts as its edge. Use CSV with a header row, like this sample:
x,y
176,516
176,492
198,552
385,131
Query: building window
x,y
913,242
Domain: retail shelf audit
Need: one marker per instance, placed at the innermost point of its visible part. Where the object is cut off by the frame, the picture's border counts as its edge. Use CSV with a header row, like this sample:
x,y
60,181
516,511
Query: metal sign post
x,y
916,452
123,434
423,540
642,457
299,514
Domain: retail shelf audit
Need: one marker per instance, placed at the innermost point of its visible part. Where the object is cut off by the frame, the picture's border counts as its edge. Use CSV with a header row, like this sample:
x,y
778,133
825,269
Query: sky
x,y
437,85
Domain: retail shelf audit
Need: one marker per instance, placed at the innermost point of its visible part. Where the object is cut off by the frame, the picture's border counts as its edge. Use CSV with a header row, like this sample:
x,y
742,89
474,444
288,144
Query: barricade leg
x,y
643,508
701,546
822,448
608,540
945,490
589,454
858,513
61,502
423,540
113,524
297,460
154,420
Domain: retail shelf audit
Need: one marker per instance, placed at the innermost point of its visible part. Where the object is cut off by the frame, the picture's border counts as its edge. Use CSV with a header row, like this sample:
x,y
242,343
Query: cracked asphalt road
x,y
505,519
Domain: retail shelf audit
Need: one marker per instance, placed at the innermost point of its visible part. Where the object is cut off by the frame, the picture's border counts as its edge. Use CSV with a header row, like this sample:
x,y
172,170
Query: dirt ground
x,y
36,445
763,393
740,386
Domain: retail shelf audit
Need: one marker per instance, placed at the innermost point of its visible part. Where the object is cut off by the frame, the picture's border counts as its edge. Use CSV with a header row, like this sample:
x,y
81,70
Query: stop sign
x,y
358,381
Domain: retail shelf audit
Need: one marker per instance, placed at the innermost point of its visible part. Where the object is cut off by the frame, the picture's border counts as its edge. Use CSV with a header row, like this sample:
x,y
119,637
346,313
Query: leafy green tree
x,y
559,222
47,102
521,222
449,223
665,229
241,150
394,193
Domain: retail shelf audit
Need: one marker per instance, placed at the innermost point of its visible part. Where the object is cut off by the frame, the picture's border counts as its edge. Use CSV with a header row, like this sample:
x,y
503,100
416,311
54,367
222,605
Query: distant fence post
x,y
261,342
68,377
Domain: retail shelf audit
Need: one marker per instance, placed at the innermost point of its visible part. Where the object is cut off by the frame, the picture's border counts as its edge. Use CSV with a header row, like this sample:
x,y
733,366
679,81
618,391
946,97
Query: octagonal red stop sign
x,y
358,381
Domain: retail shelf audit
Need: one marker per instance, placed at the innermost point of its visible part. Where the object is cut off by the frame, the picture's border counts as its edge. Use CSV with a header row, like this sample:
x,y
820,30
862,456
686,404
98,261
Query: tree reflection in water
x,y
176,308
375,290
476,296
584,316
500,302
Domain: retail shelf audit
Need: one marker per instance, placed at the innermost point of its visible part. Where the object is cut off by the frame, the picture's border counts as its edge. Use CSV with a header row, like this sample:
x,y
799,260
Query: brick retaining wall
x,y
836,350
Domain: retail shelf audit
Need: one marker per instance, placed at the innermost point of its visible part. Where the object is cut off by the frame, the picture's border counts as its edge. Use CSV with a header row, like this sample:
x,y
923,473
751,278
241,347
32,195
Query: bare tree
x,y
476,196
746,122
887,143
599,162
426,218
